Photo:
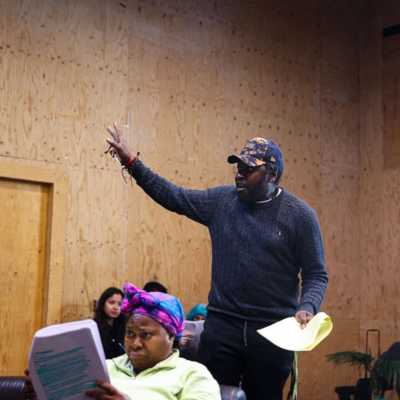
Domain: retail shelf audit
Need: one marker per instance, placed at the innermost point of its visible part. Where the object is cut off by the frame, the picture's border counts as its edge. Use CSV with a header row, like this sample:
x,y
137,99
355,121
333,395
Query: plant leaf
x,y
351,357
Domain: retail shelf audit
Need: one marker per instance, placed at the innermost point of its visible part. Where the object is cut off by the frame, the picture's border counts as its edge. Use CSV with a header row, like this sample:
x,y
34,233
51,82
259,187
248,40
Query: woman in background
x,y
197,313
154,286
111,322
194,325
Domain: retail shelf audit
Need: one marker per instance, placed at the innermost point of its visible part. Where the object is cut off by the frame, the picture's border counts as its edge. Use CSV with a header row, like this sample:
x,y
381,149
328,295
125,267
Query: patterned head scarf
x,y
163,308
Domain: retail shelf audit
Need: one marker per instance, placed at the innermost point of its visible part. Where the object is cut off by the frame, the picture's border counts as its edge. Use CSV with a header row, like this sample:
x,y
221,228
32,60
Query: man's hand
x,y
105,391
303,318
118,145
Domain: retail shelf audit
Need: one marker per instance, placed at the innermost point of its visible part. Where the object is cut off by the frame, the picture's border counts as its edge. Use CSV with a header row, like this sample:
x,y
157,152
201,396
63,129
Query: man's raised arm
x,y
198,205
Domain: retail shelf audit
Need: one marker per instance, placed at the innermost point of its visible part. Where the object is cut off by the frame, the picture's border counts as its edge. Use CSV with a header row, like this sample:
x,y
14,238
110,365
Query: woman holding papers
x,y
151,367
111,322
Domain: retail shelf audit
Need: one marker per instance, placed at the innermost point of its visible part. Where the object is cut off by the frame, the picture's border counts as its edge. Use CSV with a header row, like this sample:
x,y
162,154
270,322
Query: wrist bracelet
x,y
131,161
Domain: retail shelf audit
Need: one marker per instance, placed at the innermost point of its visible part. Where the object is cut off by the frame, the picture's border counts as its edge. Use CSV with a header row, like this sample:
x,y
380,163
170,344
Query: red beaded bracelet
x,y
131,161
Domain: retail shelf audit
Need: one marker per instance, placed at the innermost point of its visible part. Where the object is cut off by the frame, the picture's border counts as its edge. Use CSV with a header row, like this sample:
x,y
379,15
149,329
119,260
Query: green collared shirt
x,y
172,379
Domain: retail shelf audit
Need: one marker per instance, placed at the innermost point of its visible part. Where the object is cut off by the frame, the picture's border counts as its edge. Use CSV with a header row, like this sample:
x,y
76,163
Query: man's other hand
x,y
303,318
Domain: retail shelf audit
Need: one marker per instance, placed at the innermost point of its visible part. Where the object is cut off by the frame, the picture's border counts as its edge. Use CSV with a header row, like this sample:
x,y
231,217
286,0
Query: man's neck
x,y
275,194
265,193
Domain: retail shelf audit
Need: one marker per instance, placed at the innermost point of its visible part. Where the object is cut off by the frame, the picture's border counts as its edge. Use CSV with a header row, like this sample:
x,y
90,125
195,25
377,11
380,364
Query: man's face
x,y
251,181
146,342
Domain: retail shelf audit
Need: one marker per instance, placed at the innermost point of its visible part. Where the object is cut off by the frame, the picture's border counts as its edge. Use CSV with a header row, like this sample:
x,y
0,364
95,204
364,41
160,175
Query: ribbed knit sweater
x,y
259,252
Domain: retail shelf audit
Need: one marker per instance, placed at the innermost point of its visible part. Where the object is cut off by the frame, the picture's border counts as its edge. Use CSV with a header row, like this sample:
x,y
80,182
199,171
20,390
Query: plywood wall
x,y
193,80
380,175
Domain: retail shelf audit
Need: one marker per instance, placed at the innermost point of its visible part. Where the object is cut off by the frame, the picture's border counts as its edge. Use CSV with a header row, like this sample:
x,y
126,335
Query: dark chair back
x,y
12,388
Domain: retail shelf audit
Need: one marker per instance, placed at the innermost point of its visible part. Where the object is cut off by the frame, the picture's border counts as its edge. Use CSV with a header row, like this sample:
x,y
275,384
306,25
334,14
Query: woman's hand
x,y
186,338
118,146
105,391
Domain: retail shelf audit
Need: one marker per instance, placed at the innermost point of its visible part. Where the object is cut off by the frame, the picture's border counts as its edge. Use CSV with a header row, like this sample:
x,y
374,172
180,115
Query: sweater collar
x,y
124,365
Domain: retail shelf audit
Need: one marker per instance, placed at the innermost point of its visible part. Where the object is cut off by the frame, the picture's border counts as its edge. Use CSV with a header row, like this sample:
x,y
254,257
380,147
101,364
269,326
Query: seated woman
x,y
193,327
197,313
152,369
154,286
111,322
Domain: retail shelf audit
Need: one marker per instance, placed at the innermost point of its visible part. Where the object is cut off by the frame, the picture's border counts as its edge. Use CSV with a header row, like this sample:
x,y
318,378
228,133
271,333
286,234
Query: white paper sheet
x,y
288,335
66,359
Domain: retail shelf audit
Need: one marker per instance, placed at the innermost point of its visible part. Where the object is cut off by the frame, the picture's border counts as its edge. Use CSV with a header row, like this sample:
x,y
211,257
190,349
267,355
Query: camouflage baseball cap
x,y
259,151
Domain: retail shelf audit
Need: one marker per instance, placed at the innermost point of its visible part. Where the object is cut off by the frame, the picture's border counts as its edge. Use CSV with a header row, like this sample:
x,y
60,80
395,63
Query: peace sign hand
x,y
117,146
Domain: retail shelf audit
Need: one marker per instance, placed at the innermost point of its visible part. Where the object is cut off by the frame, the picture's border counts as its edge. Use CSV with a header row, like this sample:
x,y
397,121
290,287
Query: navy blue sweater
x,y
258,252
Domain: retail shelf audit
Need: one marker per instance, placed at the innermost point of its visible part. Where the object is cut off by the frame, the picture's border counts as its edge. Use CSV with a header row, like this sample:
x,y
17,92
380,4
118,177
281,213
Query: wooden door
x,y
24,217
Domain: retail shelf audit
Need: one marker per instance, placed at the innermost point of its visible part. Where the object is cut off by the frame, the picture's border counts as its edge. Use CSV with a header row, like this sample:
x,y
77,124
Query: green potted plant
x,y
379,375
360,360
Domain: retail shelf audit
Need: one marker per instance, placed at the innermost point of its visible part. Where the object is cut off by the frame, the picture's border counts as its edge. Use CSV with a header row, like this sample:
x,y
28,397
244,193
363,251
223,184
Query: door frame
x,y
55,178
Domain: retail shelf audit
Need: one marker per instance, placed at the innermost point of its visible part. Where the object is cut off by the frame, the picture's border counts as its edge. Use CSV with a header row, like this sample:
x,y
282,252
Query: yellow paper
x,y
288,335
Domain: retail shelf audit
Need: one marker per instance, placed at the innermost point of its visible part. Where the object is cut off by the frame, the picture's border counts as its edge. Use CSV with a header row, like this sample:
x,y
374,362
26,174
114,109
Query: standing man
x,y
263,240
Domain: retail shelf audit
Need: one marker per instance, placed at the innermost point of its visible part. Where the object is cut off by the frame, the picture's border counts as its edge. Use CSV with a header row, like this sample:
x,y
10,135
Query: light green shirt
x,y
172,379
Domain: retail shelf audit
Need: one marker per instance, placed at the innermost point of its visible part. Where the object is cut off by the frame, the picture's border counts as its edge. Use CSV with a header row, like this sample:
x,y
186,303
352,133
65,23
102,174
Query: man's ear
x,y
272,172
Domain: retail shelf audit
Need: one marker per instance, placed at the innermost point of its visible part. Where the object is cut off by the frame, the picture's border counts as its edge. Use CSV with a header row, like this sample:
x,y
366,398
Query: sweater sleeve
x,y
310,256
198,205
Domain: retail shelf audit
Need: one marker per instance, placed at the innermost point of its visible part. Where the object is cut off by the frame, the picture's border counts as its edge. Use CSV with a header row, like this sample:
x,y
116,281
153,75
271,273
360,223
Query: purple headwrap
x,y
162,307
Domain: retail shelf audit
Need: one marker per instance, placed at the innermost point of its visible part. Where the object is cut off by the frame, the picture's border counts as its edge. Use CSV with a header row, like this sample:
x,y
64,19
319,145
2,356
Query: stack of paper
x,y
66,359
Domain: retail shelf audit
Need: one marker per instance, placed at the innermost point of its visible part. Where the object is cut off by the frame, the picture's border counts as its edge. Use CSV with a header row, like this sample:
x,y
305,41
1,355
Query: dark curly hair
x,y
99,315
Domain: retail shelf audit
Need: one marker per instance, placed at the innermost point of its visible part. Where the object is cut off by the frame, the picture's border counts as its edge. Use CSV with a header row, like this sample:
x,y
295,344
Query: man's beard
x,y
261,192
